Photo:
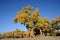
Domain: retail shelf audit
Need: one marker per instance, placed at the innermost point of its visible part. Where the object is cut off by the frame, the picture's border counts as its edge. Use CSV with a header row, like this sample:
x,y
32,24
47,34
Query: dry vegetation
x,y
37,28
36,38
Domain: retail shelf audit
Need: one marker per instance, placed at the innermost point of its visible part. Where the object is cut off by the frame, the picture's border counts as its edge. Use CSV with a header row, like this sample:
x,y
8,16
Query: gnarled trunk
x,y
31,32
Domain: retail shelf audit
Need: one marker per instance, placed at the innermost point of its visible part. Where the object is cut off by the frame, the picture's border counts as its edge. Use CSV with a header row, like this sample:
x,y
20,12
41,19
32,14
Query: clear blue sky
x,y
9,8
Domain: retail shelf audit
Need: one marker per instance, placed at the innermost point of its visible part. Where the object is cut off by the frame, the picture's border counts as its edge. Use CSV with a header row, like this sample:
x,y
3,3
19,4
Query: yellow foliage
x,y
29,23
46,24
26,33
57,20
39,25
22,17
53,21
34,19
43,23
17,33
36,13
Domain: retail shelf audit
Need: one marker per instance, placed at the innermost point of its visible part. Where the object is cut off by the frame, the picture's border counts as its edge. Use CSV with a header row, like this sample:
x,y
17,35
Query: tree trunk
x,y
31,32
42,34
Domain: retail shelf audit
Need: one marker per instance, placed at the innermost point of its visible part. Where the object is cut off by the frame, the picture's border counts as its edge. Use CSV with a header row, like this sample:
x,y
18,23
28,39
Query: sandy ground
x,y
35,38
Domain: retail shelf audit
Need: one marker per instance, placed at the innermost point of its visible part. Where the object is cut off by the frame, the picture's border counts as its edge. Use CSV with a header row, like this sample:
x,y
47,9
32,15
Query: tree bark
x,y
31,32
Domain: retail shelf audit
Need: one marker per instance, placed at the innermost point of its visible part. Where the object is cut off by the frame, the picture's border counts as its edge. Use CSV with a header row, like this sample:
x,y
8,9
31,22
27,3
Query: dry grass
x,y
35,38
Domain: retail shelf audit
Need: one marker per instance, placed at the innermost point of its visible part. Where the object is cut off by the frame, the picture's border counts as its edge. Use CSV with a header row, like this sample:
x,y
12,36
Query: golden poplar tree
x,y
31,19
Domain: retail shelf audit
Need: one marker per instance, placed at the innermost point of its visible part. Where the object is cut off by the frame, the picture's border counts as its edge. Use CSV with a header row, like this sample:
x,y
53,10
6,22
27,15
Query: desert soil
x,y
35,38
